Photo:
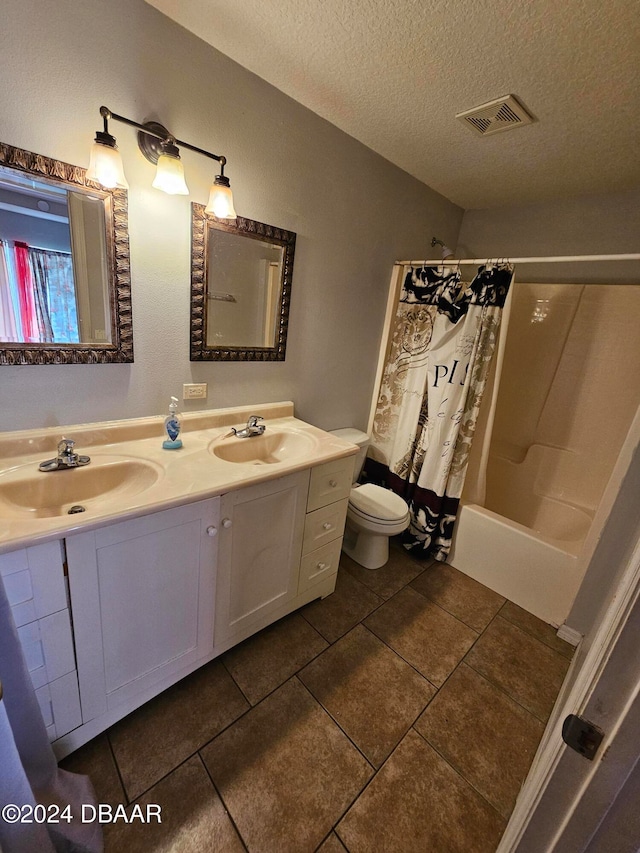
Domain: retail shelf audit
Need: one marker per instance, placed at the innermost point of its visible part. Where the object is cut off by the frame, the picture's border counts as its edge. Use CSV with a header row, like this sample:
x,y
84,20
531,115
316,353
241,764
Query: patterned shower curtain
x,y
443,339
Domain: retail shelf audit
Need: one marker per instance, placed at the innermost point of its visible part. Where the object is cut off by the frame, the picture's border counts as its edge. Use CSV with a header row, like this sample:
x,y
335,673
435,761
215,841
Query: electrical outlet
x,y
194,391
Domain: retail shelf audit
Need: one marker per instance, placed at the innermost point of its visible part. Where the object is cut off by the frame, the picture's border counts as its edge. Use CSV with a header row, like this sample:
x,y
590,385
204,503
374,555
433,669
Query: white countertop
x,y
191,473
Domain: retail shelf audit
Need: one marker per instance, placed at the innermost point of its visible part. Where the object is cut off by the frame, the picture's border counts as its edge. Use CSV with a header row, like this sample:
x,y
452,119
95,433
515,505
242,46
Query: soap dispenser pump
x,y
172,427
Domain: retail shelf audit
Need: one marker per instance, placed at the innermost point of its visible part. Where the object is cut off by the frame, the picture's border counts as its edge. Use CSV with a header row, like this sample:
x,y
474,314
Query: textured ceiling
x,y
393,74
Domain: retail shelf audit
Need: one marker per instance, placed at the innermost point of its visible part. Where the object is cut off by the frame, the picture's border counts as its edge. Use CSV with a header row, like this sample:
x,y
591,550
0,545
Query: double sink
x,y
113,480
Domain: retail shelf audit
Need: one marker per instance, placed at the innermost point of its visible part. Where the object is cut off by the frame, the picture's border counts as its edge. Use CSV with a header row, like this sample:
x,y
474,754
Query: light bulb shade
x,y
105,166
220,202
170,176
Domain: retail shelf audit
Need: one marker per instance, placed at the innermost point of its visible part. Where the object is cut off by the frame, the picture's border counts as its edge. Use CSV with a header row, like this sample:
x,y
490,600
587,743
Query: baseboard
x,y
569,635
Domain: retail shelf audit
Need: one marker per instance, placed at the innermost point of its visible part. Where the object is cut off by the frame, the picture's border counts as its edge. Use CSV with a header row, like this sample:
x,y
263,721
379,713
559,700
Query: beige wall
x,y
354,213
569,386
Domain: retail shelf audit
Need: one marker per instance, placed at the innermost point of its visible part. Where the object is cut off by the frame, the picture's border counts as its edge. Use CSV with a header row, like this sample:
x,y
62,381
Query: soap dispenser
x,y
172,427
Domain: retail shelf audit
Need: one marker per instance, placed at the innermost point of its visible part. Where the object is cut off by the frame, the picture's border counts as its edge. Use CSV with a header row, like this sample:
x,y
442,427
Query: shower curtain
x,y
443,338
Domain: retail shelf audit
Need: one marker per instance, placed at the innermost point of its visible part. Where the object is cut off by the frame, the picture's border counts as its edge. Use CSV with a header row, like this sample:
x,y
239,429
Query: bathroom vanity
x,y
177,556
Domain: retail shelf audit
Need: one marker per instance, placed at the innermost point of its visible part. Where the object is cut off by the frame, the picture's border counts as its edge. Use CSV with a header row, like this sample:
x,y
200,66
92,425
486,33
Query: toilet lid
x,y
376,502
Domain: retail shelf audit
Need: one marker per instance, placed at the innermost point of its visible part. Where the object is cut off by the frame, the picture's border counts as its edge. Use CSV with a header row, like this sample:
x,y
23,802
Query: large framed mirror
x,y
241,275
65,283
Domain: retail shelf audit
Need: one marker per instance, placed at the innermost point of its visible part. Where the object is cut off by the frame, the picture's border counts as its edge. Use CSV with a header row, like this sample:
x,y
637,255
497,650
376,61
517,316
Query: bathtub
x,y
523,545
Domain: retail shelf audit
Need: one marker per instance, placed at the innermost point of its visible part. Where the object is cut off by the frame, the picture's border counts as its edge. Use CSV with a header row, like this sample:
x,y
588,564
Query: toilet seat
x,y
377,505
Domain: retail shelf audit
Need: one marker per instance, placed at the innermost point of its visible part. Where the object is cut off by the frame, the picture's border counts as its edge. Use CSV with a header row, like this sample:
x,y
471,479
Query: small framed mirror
x,y
65,285
241,276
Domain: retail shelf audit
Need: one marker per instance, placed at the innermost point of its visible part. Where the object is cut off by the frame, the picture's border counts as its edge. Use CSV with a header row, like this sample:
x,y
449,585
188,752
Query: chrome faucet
x,y
252,428
66,458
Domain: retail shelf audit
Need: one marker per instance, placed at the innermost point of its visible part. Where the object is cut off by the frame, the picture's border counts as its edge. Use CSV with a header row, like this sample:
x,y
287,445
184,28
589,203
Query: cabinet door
x,y
260,546
142,599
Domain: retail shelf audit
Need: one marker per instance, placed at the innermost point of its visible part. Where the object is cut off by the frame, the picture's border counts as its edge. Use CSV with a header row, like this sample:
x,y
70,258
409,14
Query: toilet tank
x,y
355,436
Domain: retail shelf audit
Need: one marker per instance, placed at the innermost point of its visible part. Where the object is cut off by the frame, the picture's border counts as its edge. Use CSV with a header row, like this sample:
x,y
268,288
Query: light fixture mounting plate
x,y
151,146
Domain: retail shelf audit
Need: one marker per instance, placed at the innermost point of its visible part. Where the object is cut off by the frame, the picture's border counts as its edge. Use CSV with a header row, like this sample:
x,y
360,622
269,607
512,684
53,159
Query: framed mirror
x,y
65,284
240,289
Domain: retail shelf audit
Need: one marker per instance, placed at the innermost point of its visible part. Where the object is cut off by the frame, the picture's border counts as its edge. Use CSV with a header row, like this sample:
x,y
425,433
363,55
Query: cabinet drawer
x,y
60,705
34,581
48,647
330,482
319,564
324,525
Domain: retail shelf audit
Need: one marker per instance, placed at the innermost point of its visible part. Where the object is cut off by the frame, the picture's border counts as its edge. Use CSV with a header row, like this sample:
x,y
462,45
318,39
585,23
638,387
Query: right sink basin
x,y
272,447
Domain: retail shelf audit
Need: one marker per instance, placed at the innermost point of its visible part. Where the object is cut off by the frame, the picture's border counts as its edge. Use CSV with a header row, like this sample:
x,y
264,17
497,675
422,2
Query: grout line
x,y
117,766
531,634
330,715
459,773
230,674
298,670
224,805
508,695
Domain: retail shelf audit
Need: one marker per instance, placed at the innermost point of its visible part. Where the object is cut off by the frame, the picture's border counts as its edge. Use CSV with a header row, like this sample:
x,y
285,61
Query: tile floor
x,y
399,714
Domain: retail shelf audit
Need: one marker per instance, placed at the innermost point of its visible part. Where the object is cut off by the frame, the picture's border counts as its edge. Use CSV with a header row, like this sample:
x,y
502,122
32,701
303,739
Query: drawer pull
x,y
322,566
211,530
333,483
327,525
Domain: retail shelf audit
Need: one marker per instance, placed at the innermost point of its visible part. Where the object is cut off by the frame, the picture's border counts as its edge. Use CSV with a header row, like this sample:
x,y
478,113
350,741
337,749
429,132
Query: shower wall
x,y
569,389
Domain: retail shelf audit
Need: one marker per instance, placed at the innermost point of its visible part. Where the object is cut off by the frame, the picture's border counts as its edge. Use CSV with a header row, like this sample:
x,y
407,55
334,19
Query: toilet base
x,y
367,549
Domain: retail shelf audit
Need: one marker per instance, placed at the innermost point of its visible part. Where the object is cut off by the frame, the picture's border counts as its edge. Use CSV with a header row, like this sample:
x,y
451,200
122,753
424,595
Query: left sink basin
x,y
25,491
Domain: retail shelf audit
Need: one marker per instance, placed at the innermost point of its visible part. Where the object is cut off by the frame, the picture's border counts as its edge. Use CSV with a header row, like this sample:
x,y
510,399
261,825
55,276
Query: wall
x,y
588,225
354,213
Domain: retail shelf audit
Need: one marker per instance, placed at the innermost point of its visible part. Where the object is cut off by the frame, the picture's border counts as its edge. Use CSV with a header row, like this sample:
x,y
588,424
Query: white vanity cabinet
x,y
327,503
261,535
111,616
142,598
280,547
35,585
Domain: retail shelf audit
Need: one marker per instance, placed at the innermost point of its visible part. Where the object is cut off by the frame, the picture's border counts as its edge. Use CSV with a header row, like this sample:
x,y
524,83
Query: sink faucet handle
x,y
65,447
253,420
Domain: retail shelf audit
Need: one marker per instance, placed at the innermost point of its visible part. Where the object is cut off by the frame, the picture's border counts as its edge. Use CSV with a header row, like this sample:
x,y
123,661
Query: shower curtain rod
x,y
557,259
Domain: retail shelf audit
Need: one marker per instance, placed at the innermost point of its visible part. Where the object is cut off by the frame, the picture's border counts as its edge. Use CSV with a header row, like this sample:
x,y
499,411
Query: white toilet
x,y
374,513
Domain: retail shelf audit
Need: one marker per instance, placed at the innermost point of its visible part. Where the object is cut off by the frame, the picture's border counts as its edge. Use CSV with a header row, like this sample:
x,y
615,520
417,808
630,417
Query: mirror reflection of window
x,y
53,271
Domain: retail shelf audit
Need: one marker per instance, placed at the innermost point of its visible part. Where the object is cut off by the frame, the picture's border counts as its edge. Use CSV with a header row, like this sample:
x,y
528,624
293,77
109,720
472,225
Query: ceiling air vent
x,y
496,116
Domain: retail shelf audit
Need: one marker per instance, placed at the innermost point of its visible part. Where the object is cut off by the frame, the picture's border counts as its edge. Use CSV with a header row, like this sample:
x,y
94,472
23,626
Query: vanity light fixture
x,y
159,146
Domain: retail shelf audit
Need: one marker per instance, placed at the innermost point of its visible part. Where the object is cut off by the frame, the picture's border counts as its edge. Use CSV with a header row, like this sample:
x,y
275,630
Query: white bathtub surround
x,y
562,438
443,338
